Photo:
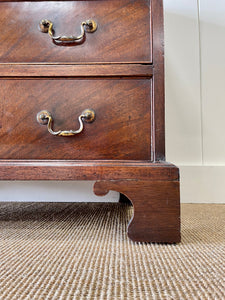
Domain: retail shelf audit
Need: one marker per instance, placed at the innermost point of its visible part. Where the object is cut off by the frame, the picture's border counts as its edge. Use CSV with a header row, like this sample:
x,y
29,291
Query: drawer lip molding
x,y
86,170
75,70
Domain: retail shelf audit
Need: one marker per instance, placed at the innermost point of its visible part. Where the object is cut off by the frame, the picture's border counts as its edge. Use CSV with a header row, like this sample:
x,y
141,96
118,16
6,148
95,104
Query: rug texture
x,y
70,251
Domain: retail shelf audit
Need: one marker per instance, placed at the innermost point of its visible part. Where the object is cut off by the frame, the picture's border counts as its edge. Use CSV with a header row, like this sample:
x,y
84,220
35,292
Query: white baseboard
x,y
202,184
52,191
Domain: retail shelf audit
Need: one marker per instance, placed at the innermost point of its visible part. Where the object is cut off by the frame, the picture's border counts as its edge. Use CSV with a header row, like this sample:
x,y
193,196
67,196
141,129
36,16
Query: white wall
x,y
195,96
195,109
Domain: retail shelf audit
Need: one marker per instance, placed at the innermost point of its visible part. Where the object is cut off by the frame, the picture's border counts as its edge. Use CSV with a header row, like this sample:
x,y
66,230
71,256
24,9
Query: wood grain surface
x,y
122,129
156,208
86,170
123,33
158,108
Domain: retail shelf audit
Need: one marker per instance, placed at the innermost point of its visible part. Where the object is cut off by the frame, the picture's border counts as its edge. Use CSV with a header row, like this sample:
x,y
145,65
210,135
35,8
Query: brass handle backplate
x,y
45,118
86,26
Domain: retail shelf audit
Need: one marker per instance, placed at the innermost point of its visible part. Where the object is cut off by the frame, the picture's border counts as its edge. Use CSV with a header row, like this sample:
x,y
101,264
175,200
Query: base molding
x,y
152,187
202,184
86,170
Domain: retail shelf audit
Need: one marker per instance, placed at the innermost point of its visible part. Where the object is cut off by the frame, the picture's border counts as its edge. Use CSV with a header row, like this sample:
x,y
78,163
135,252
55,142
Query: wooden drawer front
x,y
122,129
123,33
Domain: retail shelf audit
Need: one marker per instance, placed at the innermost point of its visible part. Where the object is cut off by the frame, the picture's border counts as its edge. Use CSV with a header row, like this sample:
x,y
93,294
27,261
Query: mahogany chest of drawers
x,y
89,106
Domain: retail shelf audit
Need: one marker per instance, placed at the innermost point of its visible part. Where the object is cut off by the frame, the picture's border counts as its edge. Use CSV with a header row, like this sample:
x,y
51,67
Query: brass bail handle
x,y
45,118
86,26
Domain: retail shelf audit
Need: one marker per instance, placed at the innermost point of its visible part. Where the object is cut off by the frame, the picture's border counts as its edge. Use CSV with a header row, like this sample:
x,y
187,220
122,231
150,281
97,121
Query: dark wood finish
x,y
59,70
156,208
86,170
119,72
123,33
121,129
158,107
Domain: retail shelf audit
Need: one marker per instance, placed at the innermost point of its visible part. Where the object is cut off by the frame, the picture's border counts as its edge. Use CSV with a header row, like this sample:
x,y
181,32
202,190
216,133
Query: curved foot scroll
x,y
156,208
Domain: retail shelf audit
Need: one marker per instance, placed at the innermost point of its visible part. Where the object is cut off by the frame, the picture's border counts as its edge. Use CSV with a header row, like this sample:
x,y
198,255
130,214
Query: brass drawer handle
x,y
86,26
45,118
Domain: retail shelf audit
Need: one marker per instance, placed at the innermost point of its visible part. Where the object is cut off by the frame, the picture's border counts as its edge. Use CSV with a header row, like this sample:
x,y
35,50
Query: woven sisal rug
x,y
81,251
